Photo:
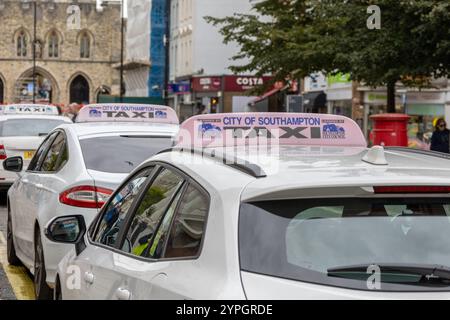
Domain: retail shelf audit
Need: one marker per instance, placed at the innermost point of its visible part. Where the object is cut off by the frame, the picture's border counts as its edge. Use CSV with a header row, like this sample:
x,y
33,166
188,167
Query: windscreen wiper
x,y
428,272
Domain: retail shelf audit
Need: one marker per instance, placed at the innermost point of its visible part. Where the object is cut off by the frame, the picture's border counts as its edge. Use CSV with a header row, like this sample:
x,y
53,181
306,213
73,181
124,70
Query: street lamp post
x,y
34,48
121,49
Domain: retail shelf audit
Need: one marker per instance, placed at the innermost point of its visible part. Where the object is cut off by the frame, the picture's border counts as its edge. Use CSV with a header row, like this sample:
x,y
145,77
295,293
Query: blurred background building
x,y
74,63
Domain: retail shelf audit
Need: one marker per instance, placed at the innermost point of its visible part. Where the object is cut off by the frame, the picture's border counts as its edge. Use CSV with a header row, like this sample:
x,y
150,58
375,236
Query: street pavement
x,y
15,282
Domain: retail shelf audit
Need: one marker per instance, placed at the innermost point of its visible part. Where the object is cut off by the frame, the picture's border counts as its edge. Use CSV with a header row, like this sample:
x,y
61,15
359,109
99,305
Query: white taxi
x,y
74,171
22,129
270,206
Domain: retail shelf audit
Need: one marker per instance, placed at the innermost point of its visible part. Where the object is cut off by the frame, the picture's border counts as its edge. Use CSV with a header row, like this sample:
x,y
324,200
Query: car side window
x,y
117,209
188,227
150,212
56,156
41,153
162,234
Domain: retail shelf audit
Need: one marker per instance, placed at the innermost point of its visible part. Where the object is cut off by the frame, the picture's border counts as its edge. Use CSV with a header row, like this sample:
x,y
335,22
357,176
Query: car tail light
x,y
3,155
85,196
412,189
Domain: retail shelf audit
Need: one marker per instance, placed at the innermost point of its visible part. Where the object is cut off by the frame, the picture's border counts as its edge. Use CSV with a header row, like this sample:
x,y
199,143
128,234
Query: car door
x,y
97,257
49,182
133,263
175,271
162,241
25,202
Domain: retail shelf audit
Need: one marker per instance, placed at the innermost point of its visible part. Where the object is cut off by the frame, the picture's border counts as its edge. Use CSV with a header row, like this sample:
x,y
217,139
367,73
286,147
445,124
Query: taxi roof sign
x,y
113,112
35,109
233,129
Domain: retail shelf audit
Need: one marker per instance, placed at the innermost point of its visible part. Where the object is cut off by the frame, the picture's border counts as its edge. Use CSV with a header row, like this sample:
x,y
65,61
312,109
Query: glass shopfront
x,y
420,127
341,107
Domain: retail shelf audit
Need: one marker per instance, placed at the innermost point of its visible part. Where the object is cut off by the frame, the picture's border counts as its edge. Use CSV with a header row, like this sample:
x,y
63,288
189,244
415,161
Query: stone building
x,y
77,44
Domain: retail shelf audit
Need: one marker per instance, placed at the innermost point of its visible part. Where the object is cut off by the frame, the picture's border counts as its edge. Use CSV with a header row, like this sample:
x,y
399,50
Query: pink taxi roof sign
x,y
123,112
232,129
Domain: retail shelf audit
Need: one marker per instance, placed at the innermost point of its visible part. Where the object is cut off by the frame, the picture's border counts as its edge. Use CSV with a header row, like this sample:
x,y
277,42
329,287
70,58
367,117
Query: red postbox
x,y
390,129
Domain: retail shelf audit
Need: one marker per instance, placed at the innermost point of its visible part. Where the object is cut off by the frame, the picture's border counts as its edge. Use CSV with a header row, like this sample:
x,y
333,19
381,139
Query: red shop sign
x,y
207,84
244,83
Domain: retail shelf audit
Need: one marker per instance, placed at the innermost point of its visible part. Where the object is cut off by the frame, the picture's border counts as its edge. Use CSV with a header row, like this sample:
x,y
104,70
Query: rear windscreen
x,y
28,127
336,242
121,154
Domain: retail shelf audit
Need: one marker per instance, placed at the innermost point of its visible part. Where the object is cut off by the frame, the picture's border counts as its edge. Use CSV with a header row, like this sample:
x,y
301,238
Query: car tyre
x,y
41,289
10,248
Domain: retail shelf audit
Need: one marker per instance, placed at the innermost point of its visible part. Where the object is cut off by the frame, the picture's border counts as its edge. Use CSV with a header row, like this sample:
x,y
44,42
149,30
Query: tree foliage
x,y
294,38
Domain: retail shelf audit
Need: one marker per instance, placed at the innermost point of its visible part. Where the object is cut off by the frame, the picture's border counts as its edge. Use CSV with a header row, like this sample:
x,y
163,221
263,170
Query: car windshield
x,y
339,242
28,127
121,154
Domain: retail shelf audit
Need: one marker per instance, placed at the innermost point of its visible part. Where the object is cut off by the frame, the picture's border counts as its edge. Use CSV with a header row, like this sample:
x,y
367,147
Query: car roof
x,y
35,116
307,167
93,128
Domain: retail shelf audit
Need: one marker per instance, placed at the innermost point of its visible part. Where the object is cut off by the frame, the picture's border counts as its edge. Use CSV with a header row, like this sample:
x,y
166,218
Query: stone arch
x,y
26,50
91,41
49,49
18,31
85,31
103,89
59,33
26,78
79,88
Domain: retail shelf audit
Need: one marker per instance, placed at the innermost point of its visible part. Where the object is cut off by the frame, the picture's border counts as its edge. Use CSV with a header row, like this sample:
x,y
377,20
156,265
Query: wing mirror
x,y
69,230
13,164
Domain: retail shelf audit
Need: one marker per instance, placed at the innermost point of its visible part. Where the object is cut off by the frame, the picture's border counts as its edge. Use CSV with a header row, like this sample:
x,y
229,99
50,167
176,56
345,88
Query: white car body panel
x,y
260,287
216,273
34,198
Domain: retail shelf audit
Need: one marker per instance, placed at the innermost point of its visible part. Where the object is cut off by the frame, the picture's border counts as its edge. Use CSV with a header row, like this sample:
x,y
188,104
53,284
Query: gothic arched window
x,y
85,46
53,45
22,43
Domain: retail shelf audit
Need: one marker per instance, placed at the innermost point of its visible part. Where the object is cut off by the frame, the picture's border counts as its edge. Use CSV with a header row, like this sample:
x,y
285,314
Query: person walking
x,y
440,140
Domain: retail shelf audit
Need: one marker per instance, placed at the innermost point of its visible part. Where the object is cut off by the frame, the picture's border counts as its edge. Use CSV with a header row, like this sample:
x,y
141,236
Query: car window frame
x,y
93,229
203,191
63,133
157,168
52,135
130,215
183,188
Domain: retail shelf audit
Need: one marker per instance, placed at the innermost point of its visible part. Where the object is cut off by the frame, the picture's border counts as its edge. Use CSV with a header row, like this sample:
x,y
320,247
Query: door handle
x,y
89,277
123,294
39,185
25,180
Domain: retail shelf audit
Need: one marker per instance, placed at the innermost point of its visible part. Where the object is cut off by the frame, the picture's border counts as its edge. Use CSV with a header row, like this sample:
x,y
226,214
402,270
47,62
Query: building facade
x,y
146,51
77,44
351,99
199,60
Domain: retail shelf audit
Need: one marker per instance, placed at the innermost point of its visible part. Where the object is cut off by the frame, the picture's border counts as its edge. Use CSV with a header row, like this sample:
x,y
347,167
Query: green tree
x,y
294,38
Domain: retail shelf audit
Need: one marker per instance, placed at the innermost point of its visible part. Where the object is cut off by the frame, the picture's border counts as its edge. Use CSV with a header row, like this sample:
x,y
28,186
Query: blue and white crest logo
x,y
209,130
333,131
160,114
95,113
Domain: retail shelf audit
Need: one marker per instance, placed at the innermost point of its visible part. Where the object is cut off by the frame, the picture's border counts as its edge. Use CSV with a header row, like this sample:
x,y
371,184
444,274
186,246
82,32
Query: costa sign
x,y
249,81
243,83
230,83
